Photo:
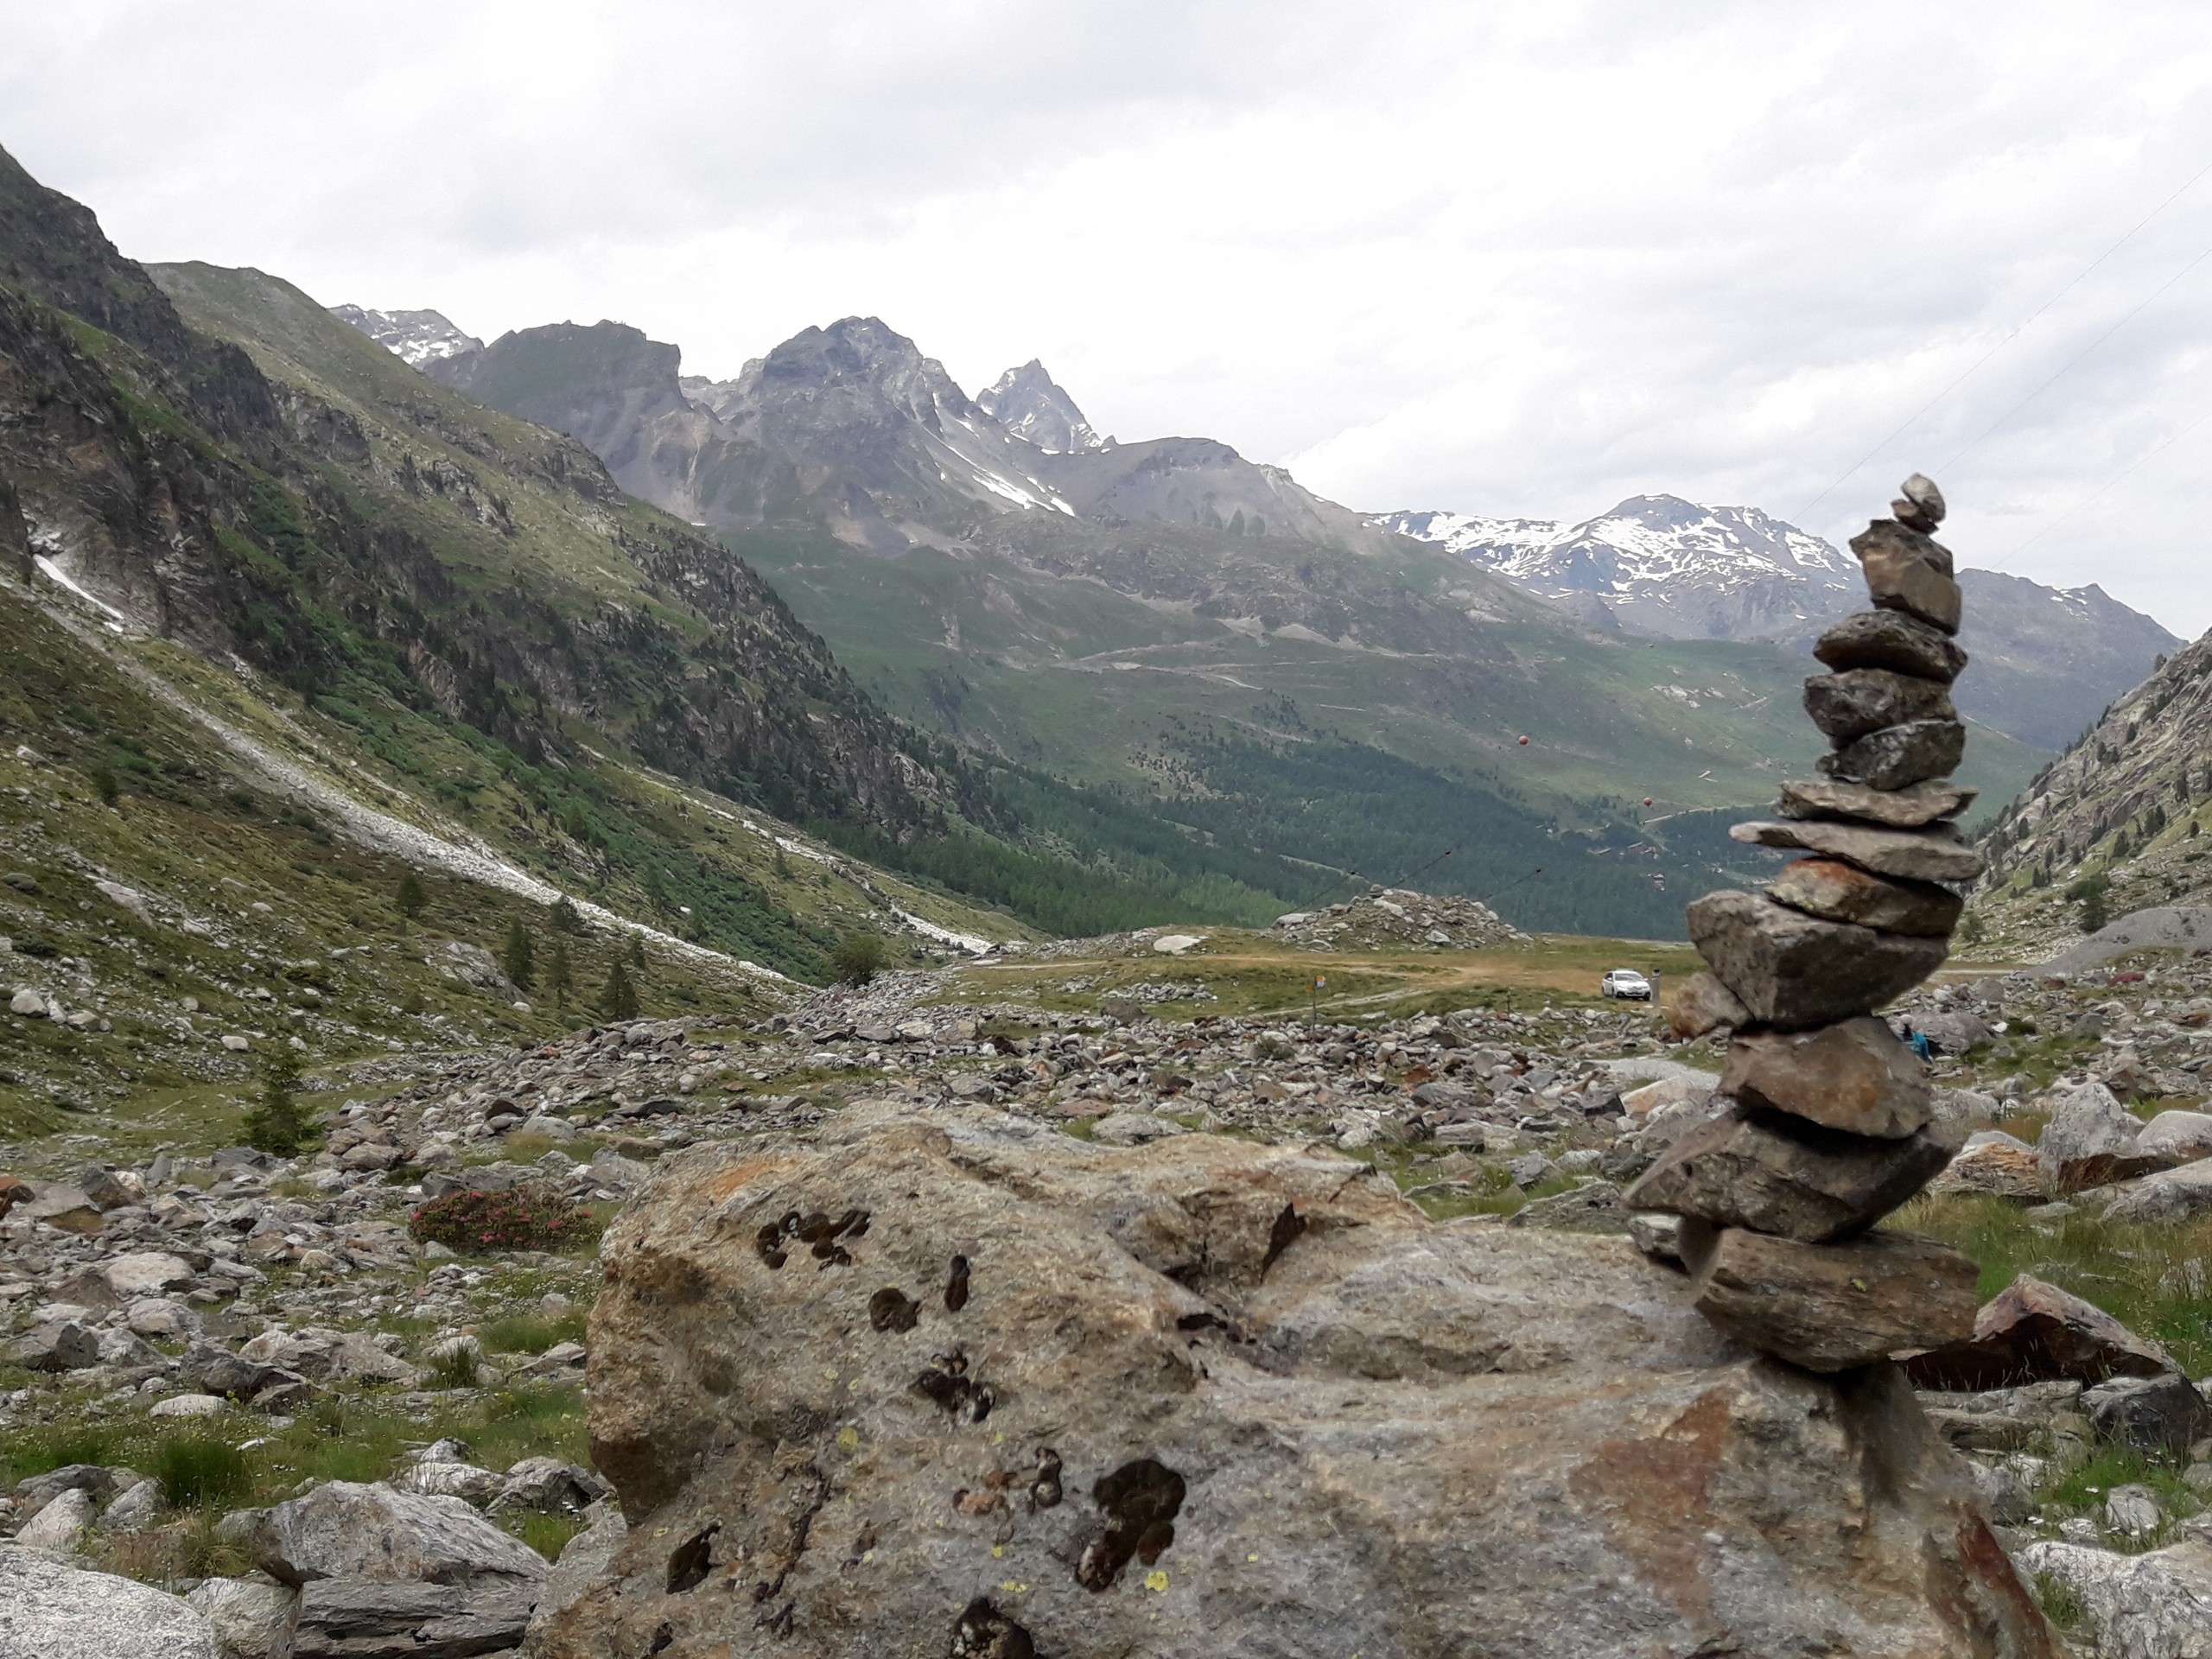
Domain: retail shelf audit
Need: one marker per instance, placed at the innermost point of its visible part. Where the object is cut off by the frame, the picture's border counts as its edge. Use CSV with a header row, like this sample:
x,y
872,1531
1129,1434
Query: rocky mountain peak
x,y
857,369
1029,403
414,337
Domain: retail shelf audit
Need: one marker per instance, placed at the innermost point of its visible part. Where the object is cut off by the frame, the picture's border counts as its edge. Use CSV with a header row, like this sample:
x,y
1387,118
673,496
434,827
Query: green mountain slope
x,y
1361,710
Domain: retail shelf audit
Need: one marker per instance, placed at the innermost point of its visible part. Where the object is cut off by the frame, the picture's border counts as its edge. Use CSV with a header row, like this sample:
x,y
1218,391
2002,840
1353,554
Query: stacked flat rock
x,y
1827,1125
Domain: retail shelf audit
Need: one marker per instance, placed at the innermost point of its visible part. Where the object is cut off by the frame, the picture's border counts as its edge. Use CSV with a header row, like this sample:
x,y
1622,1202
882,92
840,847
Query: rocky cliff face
x,y
2113,824
964,1384
1031,405
852,427
309,517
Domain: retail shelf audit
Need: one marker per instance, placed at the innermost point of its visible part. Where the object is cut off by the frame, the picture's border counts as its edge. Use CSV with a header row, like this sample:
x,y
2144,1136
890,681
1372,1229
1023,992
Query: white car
x,y
1626,982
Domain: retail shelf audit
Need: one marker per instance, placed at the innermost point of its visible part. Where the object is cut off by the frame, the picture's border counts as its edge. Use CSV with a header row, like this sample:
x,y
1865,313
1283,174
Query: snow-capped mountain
x,y
1028,403
414,337
1661,565
2045,659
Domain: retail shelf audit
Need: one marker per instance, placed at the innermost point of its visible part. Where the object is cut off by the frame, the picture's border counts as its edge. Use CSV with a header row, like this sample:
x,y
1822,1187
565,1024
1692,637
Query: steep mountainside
x,y
2116,824
2047,660
317,557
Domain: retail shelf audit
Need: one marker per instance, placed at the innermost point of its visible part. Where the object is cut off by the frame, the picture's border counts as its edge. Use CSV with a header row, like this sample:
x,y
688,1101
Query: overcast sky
x,y
1521,259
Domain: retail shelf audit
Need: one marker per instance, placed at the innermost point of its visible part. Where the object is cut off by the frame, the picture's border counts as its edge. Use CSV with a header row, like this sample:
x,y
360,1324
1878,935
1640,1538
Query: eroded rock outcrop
x,y
960,1383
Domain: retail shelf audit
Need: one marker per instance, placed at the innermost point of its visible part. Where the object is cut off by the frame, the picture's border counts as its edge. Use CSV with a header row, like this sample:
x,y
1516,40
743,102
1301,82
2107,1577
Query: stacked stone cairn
x,y
1828,1122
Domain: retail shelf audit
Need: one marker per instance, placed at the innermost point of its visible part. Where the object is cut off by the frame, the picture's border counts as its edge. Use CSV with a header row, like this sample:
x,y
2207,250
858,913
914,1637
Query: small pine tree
x,y
560,975
637,950
2094,915
275,1123
517,957
410,898
783,866
619,1000
566,917
104,786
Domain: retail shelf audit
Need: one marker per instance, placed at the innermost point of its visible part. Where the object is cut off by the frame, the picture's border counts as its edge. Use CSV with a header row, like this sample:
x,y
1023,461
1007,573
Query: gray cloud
x,y
1508,259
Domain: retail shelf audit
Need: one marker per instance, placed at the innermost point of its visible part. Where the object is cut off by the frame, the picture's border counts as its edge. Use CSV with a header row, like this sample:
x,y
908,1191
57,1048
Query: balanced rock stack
x,y
1827,1125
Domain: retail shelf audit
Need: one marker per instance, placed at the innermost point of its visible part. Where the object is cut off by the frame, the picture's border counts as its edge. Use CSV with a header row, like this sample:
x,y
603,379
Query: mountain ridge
x,y
1671,568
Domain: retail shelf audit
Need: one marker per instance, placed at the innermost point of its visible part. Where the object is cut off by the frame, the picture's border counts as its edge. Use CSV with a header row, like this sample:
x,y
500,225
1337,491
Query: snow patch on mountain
x,y
1661,565
414,337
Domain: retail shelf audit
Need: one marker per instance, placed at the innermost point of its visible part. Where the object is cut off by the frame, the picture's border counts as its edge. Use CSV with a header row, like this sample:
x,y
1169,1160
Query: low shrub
x,y
528,1218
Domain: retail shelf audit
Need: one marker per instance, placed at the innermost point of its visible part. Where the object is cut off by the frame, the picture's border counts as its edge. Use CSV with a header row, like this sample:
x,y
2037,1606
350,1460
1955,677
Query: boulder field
x,y
958,1383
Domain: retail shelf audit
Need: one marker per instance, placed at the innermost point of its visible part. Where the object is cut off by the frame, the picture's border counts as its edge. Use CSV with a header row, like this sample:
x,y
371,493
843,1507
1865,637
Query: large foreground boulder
x,y
963,1384
52,1611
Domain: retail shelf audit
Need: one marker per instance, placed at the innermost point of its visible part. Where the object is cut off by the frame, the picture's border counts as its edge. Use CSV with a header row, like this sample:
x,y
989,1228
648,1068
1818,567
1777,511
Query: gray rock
x,y
1529,1169
369,1618
2160,1416
138,1509
1906,571
2155,1606
57,1345
348,1530
1853,1075
550,1486
61,1524
1899,756
1849,705
35,1491
2090,1141
1898,809
1775,1174
2177,1134
49,1609
1936,852
584,1560
1833,1308
1592,1207
2007,1498
2134,1511
1658,1237
125,1347
1837,892
2172,1195
1920,491
1792,970
251,1619
1536,1414
474,1486
1133,1128
1891,639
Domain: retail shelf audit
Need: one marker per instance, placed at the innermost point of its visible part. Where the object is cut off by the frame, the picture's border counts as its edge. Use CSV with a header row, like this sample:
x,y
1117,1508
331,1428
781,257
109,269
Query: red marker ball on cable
x,y
1524,742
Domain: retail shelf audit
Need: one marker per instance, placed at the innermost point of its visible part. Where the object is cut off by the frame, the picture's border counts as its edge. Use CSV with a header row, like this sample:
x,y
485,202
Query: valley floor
x,y
238,1329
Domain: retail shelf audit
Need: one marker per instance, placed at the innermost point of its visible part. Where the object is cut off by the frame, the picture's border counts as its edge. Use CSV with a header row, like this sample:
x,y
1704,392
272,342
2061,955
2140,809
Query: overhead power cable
x,y
2086,499
2083,275
2076,358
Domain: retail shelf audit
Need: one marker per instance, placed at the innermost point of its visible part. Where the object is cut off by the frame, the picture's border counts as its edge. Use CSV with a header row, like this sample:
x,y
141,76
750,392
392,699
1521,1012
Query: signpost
x,y
1313,1000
